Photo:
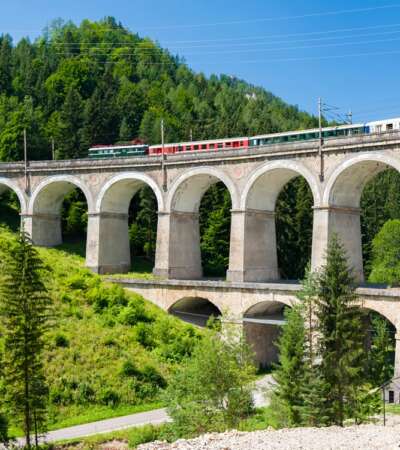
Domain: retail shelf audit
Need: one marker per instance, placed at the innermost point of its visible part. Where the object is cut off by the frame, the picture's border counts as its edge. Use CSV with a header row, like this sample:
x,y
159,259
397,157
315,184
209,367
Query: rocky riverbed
x,y
365,437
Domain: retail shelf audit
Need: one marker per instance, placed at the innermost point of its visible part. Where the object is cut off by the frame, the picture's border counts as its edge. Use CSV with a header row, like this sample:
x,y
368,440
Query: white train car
x,y
383,126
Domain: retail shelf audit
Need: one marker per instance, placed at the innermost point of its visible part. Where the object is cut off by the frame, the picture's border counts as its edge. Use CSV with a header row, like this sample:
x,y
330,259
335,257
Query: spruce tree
x,y
340,334
25,312
289,375
381,355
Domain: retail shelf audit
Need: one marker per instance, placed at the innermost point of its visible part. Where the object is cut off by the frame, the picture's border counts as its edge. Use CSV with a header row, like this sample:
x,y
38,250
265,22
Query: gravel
x,y
365,437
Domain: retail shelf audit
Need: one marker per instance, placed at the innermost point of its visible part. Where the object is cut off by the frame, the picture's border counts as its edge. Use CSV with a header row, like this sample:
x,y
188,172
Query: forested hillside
x,y
98,83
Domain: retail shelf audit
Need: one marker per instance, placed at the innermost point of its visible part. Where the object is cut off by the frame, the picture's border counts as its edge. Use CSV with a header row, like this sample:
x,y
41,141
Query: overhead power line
x,y
275,19
112,46
274,49
248,21
270,60
246,38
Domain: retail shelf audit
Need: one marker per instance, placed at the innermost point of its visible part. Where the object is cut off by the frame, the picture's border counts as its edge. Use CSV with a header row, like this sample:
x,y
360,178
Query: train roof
x,y
382,122
208,141
310,130
116,147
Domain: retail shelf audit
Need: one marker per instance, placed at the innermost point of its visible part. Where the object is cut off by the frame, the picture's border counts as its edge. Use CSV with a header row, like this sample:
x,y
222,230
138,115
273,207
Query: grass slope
x,y
109,352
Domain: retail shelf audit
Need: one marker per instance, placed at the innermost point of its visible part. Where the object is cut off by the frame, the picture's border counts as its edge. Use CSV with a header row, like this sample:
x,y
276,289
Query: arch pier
x,y
108,249
178,253
253,250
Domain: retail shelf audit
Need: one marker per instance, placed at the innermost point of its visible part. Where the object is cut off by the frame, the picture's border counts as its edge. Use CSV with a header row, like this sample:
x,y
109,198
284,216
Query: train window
x,y
389,126
195,147
220,145
203,146
379,128
228,144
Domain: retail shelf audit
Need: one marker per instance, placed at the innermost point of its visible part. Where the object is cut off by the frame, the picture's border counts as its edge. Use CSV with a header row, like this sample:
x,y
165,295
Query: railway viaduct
x,y
336,176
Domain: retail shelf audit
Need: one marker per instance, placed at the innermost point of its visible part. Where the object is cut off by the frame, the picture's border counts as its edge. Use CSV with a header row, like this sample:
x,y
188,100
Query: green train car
x,y
118,151
306,135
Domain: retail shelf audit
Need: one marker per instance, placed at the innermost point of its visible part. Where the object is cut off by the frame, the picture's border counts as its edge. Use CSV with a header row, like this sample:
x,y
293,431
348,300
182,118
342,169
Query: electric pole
x,y
53,153
350,117
26,163
321,142
163,167
191,135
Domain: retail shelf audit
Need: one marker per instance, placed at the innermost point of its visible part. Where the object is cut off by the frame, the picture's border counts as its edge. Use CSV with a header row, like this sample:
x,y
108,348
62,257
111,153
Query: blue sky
x,y
347,52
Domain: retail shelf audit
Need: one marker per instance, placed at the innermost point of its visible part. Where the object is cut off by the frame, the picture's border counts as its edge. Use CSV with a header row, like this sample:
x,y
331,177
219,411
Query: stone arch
x,y
179,255
254,257
5,184
265,183
345,185
50,192
195,310
187,190
340,210
44,219
108,242
117,192
262,323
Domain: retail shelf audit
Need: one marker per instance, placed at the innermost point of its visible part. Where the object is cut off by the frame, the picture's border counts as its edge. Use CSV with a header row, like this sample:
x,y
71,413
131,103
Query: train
x,y
137,147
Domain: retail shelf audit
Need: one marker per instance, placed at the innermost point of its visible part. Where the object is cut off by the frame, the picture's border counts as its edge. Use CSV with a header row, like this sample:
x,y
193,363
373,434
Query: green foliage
x,y
380,202
290,374
341,336
25,312
212,390
92,332
386,254
294,228
215,224
381,353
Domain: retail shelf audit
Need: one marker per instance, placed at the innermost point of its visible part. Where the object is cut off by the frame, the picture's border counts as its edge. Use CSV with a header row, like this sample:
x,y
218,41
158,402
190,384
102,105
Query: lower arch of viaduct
x,y
238,301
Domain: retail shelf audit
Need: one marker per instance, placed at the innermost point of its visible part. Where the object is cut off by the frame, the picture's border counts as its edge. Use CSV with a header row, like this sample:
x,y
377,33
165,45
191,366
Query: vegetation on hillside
x,y
107,348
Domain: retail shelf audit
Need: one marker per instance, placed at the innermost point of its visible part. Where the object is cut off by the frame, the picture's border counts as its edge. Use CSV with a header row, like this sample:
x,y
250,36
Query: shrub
x,y
141,435
133,313
149,374
80,280
144,335
85,393
102,297
129,369
61,341
211,391
109,397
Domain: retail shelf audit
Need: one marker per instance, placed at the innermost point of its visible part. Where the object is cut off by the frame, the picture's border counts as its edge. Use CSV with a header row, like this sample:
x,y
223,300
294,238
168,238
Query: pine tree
x,y
289,375
25,311
340,334
125,133
69,142
381,355
312,387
